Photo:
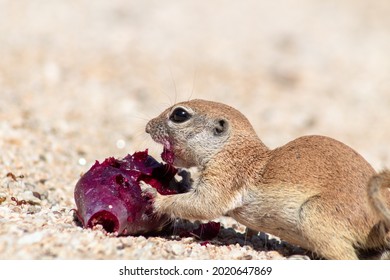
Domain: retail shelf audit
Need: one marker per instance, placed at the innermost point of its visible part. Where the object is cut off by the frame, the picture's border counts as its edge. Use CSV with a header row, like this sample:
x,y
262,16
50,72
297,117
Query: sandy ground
x,y
79,80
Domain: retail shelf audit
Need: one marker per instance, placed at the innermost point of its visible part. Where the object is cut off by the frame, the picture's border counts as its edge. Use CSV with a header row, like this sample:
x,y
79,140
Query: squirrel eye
x,y
179,115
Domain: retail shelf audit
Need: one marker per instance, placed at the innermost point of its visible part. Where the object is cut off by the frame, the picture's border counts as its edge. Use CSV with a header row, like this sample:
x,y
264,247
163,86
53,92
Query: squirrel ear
x,y
220,127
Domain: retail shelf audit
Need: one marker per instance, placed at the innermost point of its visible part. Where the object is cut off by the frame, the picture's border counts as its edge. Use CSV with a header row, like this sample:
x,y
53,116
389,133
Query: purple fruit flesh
x,y
109,194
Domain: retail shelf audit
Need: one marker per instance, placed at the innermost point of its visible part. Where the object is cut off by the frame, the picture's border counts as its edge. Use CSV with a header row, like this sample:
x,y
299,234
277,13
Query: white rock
x,y
178,249
31,238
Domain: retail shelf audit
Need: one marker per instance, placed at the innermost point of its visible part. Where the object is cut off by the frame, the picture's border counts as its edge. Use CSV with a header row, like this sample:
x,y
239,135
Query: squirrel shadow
x,y
258,241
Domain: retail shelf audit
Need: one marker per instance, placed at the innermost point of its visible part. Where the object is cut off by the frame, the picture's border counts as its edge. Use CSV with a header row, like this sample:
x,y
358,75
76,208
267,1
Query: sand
x,y
80,79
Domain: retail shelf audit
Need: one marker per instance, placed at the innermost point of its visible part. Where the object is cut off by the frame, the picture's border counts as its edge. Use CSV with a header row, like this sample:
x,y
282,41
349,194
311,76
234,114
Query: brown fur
x,y
314,191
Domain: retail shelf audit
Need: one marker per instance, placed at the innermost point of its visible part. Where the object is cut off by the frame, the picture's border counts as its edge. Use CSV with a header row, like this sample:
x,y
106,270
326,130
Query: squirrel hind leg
x,y
325,237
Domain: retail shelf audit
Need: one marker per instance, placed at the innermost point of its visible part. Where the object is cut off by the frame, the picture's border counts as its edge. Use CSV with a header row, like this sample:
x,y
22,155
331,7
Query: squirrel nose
x,y
148,127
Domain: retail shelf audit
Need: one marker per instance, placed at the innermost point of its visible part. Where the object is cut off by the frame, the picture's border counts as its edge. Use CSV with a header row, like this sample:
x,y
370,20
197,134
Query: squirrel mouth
x,y
167,155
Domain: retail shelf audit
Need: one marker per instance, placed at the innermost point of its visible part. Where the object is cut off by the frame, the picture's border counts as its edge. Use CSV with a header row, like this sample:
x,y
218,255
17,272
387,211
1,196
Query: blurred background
x,y
79,79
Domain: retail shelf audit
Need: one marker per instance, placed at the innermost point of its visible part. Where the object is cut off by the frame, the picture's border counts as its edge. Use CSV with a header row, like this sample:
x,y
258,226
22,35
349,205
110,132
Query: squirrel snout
x,y
148,127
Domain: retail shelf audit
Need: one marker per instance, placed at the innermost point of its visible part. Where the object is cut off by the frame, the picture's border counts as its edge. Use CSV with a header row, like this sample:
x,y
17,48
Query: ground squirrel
x,y
314,192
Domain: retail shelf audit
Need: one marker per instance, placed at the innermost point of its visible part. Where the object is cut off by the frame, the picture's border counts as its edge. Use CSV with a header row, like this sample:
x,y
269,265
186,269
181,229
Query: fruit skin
x,y
109,194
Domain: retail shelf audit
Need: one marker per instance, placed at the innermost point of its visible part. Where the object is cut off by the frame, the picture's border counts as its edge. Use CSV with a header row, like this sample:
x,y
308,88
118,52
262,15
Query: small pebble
x,y
178,249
